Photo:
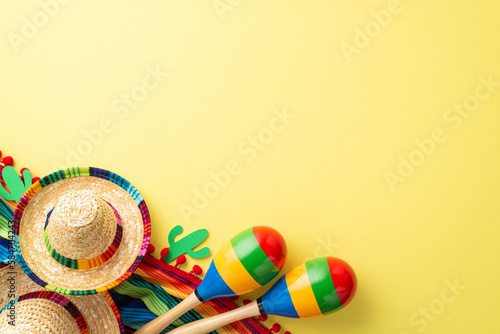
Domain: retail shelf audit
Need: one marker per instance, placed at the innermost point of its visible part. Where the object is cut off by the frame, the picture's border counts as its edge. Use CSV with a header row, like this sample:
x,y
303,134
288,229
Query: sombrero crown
x,y
81,230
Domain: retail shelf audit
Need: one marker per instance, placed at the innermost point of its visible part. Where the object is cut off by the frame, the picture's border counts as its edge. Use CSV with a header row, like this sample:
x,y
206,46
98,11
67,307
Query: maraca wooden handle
x,y
157,325
209,324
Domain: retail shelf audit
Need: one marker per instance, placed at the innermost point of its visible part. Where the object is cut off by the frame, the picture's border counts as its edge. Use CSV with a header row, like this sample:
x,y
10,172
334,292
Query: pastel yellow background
x,y
321,181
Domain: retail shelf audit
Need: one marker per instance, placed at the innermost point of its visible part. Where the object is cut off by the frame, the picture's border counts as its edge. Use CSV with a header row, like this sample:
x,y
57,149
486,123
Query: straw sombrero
x,y
81,231
26,307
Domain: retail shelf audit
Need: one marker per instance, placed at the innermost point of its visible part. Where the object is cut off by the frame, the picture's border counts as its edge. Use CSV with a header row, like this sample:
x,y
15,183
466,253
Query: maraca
x,y
314,288
250,260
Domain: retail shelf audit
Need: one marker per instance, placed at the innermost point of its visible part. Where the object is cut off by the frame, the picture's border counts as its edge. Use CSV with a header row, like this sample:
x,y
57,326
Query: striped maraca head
x,y
250,260
314,288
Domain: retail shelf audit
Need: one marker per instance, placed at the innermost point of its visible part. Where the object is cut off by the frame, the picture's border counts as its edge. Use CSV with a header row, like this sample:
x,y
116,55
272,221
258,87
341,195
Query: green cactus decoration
x,y
15,185
186,244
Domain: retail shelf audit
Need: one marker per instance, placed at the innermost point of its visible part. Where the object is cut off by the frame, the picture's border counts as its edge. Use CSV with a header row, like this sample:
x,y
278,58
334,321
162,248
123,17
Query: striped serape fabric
x,y
161,286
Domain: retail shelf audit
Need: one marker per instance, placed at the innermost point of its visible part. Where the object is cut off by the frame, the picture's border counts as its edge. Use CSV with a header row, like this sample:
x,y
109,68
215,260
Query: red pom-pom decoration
x,y
8,161
276,328
164,253
196,270
180,260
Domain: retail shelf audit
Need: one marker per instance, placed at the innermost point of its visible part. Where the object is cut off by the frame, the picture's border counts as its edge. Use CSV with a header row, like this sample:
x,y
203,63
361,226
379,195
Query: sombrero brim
x,y
99,312
41,197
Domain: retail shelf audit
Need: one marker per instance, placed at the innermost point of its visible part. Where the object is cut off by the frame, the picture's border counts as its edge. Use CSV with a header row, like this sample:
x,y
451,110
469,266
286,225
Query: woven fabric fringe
x,y
152,290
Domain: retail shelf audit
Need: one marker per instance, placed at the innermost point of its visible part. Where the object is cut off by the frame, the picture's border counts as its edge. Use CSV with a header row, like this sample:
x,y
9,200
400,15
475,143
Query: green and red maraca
x,y
250,260
315,288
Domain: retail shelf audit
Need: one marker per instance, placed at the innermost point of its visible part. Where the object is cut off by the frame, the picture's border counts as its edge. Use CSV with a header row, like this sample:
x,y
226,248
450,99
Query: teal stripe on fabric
x,y
158,299
6,216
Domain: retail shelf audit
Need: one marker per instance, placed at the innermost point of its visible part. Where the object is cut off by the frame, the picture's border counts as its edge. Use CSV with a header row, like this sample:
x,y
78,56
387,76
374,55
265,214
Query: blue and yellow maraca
x,y
314,288
250,260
